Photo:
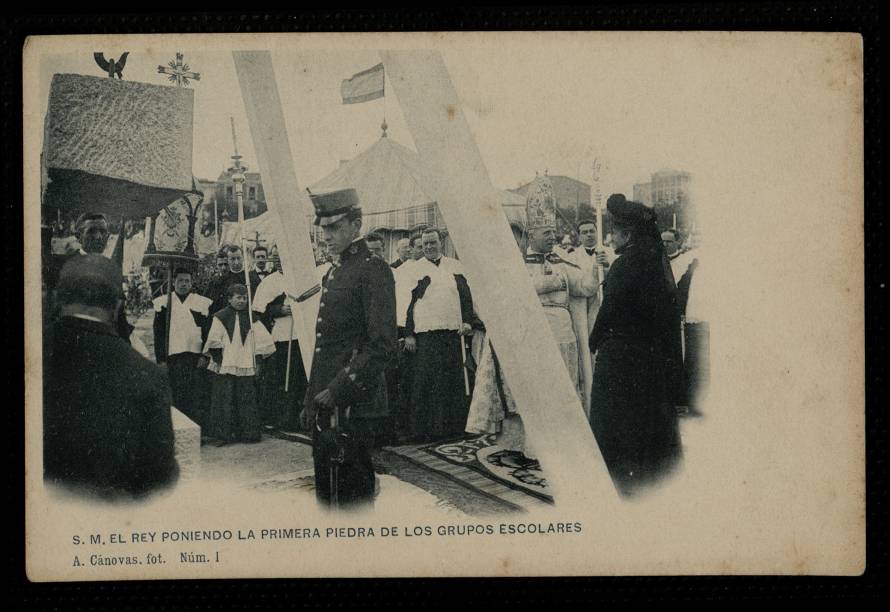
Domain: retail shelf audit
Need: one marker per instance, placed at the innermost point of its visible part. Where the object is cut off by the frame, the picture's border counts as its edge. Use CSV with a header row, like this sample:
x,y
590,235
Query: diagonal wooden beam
x,y
550,408
284,198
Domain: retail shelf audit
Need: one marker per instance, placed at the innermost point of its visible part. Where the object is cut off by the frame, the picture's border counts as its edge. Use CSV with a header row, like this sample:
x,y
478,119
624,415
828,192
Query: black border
x,y
263,594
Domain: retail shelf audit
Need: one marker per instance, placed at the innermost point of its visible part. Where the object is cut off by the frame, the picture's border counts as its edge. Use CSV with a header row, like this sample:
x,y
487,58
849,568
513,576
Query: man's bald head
x,y
90,281
404,249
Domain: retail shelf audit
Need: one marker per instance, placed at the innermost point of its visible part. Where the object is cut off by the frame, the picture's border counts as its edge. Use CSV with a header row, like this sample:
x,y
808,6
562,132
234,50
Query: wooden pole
x,y
519,332
238,180
463,360
286,201
169,310
290,342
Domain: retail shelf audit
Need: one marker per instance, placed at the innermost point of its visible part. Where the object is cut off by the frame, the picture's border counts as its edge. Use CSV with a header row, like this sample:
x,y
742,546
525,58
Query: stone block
x,y
187,442
119,147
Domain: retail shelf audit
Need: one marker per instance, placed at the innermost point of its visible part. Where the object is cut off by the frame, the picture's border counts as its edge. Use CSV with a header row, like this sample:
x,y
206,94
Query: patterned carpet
x,y
478,463
475,462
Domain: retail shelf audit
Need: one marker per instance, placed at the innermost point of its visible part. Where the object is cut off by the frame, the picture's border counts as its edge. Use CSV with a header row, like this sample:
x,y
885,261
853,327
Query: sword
x,y
463,358
336,460
306,294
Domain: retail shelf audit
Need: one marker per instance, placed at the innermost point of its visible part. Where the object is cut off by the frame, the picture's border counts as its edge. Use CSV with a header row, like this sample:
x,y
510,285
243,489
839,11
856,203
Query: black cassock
x,y
638,368
439,403
189,384
218,288
355,340
279,407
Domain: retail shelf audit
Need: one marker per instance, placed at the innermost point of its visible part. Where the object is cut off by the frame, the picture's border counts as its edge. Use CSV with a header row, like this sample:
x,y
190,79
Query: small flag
x,y
363,86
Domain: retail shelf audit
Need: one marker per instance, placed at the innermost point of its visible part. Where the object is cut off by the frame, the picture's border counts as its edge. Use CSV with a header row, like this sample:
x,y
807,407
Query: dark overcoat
x,y
636,339
106,417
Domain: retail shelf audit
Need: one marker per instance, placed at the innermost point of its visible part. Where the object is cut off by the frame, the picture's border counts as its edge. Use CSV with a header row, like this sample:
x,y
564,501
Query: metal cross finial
x,y
178,72
256,240
238,169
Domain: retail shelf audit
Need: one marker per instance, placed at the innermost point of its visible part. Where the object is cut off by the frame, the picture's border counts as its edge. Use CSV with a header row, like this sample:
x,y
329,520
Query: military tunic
x,y
355,339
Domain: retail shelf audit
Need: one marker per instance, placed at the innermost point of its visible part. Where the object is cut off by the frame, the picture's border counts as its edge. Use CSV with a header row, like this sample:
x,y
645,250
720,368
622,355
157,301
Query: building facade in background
x,y
668,192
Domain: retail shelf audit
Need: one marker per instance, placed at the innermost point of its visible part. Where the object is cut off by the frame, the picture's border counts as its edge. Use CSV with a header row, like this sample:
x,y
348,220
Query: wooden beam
x,y
284,198
551,411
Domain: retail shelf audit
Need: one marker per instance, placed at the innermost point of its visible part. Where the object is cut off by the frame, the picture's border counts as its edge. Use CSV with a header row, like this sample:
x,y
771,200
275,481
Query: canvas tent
x,y
393,189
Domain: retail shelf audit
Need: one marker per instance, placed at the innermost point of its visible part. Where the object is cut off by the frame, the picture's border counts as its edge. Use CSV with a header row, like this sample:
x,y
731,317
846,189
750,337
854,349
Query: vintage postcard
x,y
444,304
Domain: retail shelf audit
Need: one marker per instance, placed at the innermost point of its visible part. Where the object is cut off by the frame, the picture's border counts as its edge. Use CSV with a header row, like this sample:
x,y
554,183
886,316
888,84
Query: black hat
x,y
332,206
627,212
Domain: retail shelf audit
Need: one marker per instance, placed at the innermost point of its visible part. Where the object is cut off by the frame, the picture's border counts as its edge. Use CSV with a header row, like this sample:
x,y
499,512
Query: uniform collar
x,y
358,248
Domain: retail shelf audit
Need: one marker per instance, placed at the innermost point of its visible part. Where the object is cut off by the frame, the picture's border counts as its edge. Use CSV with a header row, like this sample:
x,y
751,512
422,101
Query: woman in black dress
x,y
636,339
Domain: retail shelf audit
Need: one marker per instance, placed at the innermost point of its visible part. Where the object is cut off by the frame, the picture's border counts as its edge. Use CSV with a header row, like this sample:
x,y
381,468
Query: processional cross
x,y
256,240
178,71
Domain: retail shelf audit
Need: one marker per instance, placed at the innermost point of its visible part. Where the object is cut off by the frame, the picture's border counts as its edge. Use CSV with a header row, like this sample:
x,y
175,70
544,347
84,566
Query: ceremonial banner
x,y
363,86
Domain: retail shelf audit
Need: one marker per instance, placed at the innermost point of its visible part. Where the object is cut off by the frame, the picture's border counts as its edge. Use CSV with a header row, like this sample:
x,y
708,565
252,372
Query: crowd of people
x,y
400,353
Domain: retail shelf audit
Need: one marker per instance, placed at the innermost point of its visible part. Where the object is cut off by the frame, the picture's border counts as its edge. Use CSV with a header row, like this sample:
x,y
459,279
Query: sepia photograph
x,y
463,304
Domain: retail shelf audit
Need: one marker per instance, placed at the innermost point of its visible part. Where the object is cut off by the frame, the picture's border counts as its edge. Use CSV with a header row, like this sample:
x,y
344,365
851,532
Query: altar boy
x,y
237,349
188,331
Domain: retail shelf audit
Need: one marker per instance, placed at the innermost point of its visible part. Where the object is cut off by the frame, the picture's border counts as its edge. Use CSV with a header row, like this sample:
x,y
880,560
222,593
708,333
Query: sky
x,y
531,110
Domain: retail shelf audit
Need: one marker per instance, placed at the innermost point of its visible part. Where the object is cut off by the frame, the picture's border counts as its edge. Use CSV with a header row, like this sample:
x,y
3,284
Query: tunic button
x,y
319,319
318,335
321,304
318,350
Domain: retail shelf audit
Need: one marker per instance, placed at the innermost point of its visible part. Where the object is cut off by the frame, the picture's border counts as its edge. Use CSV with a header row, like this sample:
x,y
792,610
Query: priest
x,y
439,316
283,383
218,289
556,281
589,257
188,317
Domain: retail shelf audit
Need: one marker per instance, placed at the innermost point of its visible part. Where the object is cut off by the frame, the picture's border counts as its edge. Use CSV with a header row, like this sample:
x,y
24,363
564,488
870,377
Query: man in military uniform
x,y
355,339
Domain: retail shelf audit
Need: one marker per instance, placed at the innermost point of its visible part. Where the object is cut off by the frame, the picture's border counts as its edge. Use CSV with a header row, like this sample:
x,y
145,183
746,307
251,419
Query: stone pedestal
x,y
119,147
187,435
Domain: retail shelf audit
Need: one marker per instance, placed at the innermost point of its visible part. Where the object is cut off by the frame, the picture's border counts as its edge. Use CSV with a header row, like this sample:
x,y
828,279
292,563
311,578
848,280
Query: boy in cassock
x,y
188,332
235,346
